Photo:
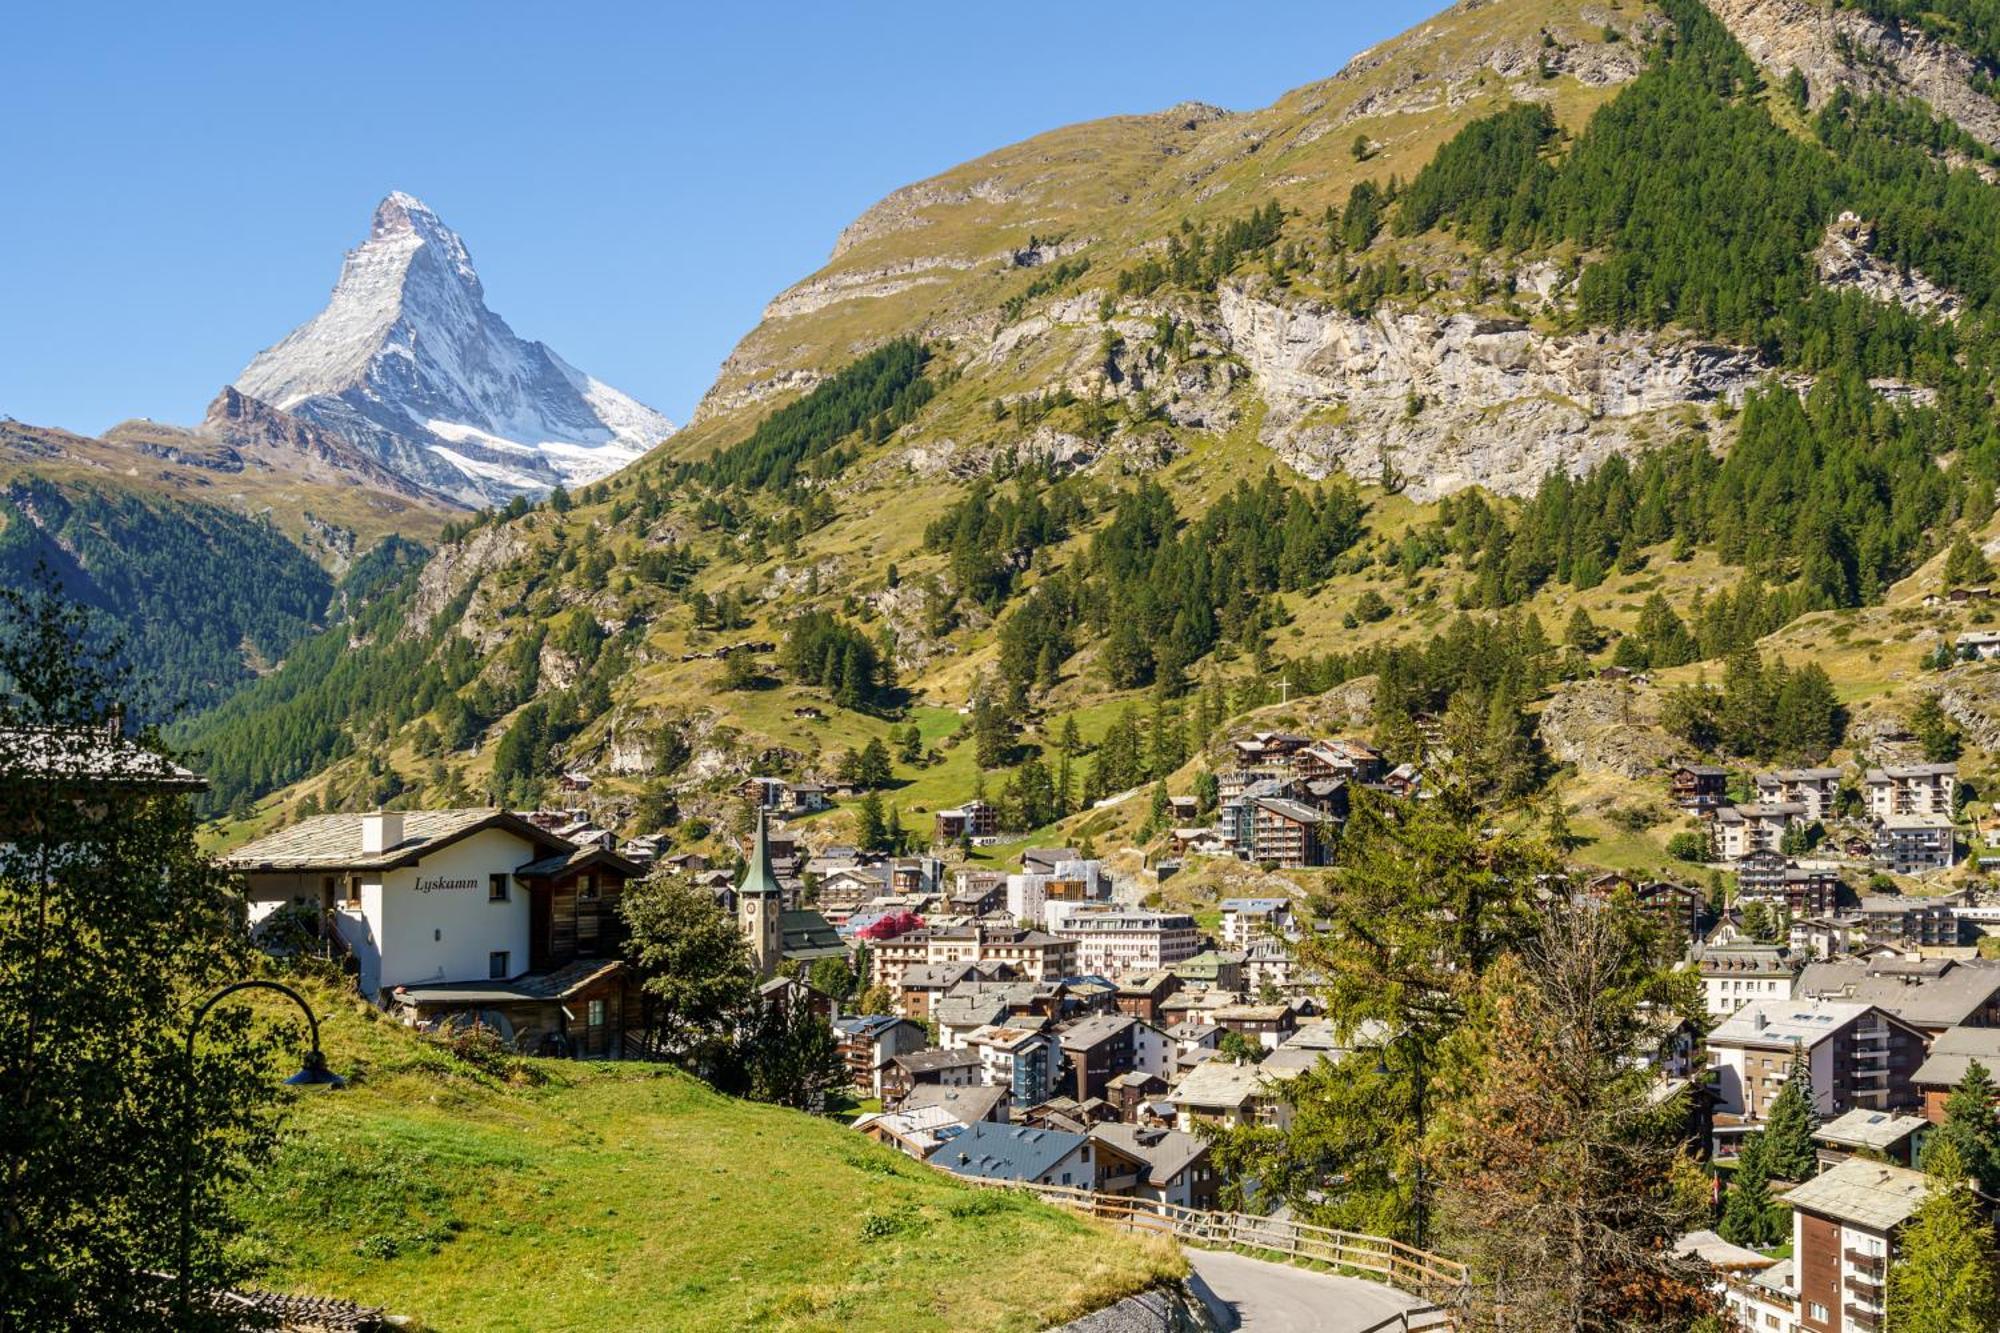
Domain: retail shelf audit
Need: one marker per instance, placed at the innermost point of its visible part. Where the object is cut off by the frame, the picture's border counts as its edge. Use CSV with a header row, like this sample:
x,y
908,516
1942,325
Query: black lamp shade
x,y
314,1073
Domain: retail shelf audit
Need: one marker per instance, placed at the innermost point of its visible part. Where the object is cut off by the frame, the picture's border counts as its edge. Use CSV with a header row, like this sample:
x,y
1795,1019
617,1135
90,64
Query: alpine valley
x,y
1580,388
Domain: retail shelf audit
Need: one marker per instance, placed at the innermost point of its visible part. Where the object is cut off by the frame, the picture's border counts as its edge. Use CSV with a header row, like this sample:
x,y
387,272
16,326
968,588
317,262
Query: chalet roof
x,y
1869,1195
926,1062
1095,1031
1799,775
1863,1128
1908,772
1702,770
1931,993
967,1105
968,1011
1254,905
581,858
1954,1050
1166,1152
1782,1022
1228,1083
91,757
333,842
1291,810
867,1025
1716,1252
559,984
1006,1152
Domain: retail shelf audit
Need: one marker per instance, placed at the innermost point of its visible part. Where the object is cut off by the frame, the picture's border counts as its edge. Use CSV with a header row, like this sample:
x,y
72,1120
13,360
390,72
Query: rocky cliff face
x,y
1456,400
1835,47
408,363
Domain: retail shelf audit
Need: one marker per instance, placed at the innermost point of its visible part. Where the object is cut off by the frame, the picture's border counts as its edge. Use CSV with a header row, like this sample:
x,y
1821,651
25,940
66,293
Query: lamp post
x,y
313,1073
1417,1218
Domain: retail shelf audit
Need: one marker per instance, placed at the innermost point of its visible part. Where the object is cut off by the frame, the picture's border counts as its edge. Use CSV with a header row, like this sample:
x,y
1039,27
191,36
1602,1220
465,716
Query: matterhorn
x,y
407,363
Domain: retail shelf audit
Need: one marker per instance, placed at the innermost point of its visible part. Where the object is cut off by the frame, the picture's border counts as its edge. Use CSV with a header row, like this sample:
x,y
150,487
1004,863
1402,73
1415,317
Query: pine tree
x,y
1965,565
1971,1129
871,833
1944,1279
1748,1215
1788,1141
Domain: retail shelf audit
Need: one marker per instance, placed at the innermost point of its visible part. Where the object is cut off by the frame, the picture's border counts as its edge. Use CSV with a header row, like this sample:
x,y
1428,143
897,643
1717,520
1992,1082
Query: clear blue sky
x,y
634,181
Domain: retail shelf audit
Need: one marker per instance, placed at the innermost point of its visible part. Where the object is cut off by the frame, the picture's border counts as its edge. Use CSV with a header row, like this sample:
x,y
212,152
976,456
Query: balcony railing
x,y
1873,1265
1870,1292
1870,1321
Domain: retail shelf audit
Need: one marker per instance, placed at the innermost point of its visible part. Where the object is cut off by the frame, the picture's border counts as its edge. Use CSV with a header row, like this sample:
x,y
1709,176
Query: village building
x,y
1845,1224
1816,791
1952,1053
1275,831
1883,1135
1035,955
919,988
1211,970
1174,1167
1916,922
1770,877
1933,994
1910,789
1738,830
1702,788
1142,996
1246,919
1231,1094
1860,1056
1266,1025
1733,975
869,1045
1979,645
1098,1049
975,820
928,1068
1019,1059
1915,844
461,916
1115,942
986,1151
967,1104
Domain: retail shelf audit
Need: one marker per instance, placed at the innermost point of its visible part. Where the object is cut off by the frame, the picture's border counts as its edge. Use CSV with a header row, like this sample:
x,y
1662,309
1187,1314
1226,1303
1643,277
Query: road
x,y
1261,1297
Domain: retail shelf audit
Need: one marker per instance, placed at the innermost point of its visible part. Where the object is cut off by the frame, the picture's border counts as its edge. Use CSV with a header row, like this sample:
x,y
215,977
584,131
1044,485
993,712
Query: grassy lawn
x,y
572,1196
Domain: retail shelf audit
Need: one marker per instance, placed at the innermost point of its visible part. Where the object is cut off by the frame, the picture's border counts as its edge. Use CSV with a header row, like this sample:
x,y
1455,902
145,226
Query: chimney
x,y
380,830
1757,1020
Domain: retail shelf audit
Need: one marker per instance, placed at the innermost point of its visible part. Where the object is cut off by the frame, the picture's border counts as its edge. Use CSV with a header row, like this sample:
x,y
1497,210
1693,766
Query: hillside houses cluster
x,y
1906,824
1886,1033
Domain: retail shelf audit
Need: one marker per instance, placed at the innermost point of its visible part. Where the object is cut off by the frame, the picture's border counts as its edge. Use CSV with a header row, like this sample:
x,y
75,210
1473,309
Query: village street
x,y
1261,1297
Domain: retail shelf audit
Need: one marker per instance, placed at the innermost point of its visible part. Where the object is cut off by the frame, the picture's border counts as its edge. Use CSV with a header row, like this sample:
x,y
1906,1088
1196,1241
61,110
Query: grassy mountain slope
x,y
1473,291
550,1194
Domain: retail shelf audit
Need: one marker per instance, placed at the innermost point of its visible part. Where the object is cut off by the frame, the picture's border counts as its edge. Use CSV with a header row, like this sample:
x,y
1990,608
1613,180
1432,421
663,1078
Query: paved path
x,y
1262,1297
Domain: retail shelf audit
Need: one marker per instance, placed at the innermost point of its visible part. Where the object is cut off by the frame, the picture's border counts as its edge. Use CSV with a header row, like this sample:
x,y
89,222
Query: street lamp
x,y
313,1073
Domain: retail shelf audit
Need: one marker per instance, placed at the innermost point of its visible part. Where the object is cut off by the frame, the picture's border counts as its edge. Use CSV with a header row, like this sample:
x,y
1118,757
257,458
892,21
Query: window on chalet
x,y
595,1014
496,888
497,965
354,891
586,887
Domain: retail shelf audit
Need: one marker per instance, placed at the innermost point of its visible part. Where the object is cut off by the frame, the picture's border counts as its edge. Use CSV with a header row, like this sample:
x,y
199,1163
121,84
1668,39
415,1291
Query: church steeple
x,y
760,900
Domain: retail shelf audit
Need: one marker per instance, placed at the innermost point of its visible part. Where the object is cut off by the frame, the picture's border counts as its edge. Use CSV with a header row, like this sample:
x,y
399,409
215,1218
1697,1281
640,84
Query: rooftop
x,y
1869,1195
966,1105
1782,1022
333,842
1932,993
1953,1051
1005,1152
1166,1152
1862,1128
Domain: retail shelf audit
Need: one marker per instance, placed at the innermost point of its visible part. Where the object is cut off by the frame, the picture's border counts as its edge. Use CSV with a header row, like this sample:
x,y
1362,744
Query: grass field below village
x,y
556,1195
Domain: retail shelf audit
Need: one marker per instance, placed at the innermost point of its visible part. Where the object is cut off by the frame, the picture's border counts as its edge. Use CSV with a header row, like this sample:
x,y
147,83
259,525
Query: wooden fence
x,y
1404,1267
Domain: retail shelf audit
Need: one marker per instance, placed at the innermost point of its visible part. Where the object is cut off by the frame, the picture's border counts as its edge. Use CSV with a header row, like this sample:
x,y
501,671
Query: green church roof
x,y
758,878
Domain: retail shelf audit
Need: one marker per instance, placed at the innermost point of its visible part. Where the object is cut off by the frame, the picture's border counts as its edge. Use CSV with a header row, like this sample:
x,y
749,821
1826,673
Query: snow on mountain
x,y
407,361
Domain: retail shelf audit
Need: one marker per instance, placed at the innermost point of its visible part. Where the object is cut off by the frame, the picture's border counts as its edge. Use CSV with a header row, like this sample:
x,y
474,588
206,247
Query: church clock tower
x,y
759,903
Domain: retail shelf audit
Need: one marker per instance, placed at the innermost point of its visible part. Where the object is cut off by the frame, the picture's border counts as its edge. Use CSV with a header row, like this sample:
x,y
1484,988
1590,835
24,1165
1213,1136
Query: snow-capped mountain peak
x,y
407,361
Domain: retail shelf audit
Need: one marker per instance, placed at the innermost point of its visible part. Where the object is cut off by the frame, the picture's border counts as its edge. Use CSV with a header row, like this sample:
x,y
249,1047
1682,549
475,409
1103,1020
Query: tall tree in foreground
x,y
113,926
1788,1138
694,967
792,1056
1421,907
1565,1183
1943,1280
